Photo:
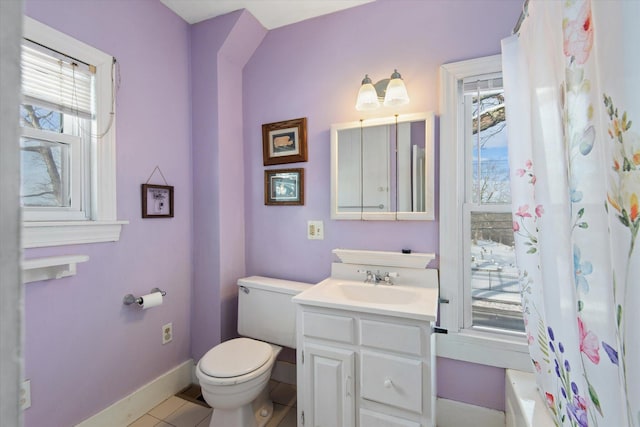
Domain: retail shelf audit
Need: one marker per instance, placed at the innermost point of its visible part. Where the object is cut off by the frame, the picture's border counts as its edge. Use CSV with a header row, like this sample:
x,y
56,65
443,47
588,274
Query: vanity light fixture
x,y
367,96
396,93
391,91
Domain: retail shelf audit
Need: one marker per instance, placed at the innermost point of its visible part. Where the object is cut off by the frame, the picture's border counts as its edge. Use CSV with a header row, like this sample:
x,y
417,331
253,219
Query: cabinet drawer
x,y
390,336
375,419
327,326
391,380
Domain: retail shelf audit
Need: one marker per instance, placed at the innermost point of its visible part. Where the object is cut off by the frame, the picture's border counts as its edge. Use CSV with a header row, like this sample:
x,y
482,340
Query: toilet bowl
x,y
234,375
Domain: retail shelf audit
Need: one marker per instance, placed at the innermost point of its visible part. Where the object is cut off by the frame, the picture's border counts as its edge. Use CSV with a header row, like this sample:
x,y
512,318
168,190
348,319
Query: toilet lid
x,y
235,357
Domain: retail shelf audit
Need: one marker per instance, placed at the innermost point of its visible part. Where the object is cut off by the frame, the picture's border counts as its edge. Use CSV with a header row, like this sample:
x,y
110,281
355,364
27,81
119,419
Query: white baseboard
x,y
450,413
138,403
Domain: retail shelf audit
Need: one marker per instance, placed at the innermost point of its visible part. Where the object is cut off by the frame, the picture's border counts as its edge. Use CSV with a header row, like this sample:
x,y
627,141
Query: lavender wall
x,y
84,350
471,383
181,91
313,69
206,40
220,49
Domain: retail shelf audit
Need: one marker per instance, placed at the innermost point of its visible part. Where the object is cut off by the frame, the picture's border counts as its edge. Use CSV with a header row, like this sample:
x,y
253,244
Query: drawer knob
x,y
388,383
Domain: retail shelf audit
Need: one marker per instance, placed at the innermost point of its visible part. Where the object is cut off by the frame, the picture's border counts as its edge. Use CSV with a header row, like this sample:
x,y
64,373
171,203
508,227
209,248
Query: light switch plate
x,y
315,230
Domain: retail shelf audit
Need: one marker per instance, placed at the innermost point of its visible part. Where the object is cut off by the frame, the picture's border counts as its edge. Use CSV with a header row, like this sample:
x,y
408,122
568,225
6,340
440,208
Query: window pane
x,y
32,116
490,162
44,173
495,291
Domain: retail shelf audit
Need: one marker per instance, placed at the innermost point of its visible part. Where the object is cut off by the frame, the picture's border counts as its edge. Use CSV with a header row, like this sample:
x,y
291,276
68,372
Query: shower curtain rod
x,y
522,17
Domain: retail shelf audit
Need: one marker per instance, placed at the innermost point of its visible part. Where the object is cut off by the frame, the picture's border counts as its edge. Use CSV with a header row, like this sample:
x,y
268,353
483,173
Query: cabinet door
x,y
328,386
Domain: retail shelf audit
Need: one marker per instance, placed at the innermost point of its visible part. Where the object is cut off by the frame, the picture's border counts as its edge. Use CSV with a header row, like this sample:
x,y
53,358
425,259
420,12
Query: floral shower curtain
x,y
572,84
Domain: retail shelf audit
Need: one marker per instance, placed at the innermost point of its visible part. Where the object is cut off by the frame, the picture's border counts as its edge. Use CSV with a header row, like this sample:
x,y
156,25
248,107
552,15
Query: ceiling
x,y
271,13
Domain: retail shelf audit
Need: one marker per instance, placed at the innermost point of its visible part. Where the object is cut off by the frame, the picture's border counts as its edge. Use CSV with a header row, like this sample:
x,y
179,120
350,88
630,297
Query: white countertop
x,y
409,302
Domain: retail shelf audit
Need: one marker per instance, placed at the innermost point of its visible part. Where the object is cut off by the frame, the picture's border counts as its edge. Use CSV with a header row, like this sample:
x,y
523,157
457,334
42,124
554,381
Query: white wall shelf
x,y
37,234
382,258
47,268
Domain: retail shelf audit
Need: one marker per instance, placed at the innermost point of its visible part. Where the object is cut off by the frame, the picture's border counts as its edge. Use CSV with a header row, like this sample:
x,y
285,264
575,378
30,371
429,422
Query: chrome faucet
x,y
377,277
389,276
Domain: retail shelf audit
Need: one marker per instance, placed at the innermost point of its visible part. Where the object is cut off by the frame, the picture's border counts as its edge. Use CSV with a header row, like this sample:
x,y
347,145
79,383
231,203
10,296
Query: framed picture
x,y
157,201
284,142
284,187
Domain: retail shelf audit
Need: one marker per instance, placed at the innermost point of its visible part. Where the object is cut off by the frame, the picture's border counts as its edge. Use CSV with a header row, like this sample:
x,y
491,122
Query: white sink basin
x,y
413,302
376,294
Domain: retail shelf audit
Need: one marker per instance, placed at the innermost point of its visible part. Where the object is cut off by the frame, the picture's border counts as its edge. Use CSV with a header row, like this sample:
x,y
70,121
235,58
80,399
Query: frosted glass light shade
x,y
396,91
367,96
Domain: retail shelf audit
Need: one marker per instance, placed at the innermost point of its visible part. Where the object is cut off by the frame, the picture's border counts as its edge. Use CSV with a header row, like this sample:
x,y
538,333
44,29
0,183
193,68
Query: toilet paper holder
x,y
131,299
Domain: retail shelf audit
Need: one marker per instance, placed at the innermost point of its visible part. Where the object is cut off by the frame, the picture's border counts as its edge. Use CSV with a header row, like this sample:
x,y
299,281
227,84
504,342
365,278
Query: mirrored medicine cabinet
x,y
383,168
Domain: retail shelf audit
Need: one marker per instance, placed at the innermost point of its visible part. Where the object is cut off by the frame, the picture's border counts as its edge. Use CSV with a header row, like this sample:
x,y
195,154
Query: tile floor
x,y
178,412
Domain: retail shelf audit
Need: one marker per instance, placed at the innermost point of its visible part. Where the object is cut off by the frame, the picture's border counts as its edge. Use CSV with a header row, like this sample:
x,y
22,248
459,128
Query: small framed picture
x,y
284,142
157,201
284,187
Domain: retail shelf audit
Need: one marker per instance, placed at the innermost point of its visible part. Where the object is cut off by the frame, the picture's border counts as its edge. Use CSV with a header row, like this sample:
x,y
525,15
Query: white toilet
x,y
234,374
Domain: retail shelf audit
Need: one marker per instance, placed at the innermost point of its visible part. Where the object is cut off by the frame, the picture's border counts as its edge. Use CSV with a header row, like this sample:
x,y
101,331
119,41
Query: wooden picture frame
x,y
284,142
157,201
284,187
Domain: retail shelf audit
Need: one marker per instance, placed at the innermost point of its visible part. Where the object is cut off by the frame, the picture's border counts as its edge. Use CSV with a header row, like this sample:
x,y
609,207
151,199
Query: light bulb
x,y
367,96
396,93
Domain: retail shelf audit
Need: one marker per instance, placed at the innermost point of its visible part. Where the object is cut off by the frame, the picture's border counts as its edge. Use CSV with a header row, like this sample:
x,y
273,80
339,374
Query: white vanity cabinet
x,y
363,369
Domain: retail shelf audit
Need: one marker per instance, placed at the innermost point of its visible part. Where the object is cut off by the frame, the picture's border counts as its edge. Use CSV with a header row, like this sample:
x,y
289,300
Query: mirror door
x,y
382,169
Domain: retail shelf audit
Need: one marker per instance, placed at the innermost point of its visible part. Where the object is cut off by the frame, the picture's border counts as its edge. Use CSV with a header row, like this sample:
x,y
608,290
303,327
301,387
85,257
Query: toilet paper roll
x,y
151,300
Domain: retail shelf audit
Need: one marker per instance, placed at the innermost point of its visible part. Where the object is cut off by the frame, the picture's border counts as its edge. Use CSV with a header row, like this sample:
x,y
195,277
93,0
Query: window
x,y
67,141
56,116
492,293
478,275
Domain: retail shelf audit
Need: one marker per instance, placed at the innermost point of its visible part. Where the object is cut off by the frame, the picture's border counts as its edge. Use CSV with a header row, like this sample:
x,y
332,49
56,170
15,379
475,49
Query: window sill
x,y
55,267
58,233
485,349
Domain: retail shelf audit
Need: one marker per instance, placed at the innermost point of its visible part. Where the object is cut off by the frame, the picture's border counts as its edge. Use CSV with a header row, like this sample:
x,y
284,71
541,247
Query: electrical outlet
x,y
167,333
315,230
25,395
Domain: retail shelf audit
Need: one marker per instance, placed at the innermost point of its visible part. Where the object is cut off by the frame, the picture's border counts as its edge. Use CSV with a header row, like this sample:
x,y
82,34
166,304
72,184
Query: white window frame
x,y
471,345
74,169
102,224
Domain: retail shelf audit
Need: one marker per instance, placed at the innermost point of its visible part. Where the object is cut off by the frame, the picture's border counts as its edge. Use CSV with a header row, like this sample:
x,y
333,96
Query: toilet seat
x,y
234,358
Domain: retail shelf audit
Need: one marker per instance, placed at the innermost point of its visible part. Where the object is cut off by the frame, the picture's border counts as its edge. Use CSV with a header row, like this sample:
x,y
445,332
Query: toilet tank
x,y
265,309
